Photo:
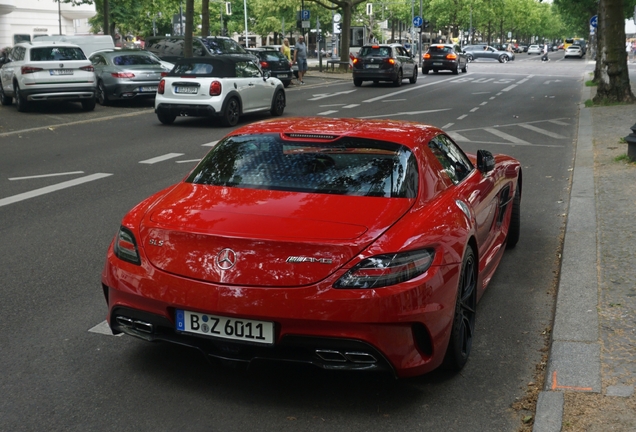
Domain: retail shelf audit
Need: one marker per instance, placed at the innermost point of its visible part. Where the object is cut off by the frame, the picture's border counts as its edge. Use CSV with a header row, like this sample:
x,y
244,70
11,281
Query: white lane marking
x,y
509,88
499,94
326,95
474,109
76,122
560,123
331,105
210,144
161,158
351,106
408,90
447,125
492,97
52,188
483,103
328,112
457,137
188,161
394,100
478,93
462,117
46,175
506,136
542,131
405,113
103,328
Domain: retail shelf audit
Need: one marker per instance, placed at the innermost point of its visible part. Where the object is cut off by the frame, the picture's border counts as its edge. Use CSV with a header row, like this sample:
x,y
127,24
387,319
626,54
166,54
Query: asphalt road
x,y
67,178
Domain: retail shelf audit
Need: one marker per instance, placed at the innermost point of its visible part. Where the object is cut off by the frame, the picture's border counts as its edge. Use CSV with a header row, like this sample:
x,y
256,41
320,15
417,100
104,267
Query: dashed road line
x,y
327,112
161,158
46,175
507,137
542,131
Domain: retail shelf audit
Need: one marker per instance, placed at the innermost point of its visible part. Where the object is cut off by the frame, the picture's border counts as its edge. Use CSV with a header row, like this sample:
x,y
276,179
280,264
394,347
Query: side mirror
x,y
485,161
266,75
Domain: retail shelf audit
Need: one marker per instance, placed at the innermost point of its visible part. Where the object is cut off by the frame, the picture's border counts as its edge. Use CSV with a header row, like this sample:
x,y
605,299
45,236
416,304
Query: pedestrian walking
x,y
300,58
544,57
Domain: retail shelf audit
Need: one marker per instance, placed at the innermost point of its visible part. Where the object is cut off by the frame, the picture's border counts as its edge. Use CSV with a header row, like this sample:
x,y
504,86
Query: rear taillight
x,y
29,70
452,56
123,75
215,88
164,74
356,60
125,246
88,68
162,87
427,56
264,65
391,61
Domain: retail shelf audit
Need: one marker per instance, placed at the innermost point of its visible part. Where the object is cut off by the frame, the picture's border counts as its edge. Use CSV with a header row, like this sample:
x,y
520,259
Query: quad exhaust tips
x,y
333,356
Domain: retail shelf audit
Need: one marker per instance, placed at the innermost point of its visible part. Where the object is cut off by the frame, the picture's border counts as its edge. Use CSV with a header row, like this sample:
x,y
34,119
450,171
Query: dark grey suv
x,y
384,62
474,52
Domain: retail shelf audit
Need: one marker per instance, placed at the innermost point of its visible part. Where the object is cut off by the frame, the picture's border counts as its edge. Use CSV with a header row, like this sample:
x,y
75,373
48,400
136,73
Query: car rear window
x,y
345,166
440,49
134,59
57,53
273,56
223,46
206,69
375,51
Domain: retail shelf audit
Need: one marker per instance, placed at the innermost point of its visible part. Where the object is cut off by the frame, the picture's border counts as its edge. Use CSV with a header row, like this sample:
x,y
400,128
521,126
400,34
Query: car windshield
x,y
345,166
134,59
223,46
272,56
57,53
375,51
208,69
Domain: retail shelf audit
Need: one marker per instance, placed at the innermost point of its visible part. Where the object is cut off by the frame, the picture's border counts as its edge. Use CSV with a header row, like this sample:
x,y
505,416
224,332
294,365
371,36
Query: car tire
x,y
286,83
463,326
503,58
456,70
166,118
231,113
470,58
399,79
20,101
102,96
88,104
413,79
376,82
425,71
357,82
514,229
4,99
465,68
278,104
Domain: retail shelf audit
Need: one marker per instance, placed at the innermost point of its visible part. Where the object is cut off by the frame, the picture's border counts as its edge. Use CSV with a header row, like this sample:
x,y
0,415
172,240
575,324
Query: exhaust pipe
x,y
331,356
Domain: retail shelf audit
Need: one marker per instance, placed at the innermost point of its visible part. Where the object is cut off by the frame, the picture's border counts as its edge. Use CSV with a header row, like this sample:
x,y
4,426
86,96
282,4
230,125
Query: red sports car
x,y
348,244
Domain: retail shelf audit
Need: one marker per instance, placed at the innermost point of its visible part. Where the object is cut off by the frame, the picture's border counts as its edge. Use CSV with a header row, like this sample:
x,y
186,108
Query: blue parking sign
x,y
305,15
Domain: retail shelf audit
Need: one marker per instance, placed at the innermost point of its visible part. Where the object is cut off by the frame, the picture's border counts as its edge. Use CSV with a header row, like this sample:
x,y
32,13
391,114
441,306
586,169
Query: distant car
x,y
573,51
474,52
343,243
534,49
521,49
384,62
444,57
47,71
126,74
291,50
275,63
221,86
171,48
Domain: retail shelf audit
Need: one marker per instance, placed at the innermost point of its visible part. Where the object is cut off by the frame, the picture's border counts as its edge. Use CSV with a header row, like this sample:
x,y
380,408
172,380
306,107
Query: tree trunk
x,y
189,24
345,36
613,80
205,18
106,13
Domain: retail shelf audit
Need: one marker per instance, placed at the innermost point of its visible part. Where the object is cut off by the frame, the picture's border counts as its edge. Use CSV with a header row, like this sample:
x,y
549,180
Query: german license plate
x,y
283,75
239,329
61,71
147,89
372,66
437,64
189,90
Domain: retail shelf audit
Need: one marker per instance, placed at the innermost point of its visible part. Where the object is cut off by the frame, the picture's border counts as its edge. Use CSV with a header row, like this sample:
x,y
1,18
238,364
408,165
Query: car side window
x,y
198,50
247,69
452,158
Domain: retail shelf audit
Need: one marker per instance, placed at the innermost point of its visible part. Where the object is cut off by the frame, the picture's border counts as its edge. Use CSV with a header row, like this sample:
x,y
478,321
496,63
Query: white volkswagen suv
x,y
41,71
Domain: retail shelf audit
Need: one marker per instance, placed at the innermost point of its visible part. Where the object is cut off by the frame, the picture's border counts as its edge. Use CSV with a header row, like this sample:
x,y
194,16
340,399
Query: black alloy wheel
x,y
398,81
413,79
465,68
88,104
278,103
469,58
425,71
4,99
462,333
231,113
456,70
514,229
102,96
20,101
503,58
357,82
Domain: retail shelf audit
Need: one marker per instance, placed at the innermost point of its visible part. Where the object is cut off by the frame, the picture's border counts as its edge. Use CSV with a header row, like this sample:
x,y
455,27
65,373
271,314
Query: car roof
x,y
222,58
38,44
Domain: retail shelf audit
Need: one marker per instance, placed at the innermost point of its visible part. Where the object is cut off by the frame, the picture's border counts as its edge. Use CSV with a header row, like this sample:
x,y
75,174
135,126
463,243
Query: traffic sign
x,y
594,21
304,15
417,21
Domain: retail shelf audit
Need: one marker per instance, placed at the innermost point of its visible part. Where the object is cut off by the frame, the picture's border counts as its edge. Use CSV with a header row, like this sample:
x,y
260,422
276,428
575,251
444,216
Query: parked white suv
x,y
47,71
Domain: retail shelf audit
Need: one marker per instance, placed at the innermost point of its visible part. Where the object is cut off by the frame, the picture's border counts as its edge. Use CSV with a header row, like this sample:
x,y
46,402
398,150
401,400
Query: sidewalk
x,y
591,371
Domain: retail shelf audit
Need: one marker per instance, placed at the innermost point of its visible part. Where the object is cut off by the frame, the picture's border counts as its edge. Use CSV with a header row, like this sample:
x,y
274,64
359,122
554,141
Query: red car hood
x,y
272,238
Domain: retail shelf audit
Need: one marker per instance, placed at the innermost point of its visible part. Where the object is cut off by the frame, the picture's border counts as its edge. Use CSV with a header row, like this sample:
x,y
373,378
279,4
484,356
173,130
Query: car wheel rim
x,y
280,103
101,94
232,112
467,306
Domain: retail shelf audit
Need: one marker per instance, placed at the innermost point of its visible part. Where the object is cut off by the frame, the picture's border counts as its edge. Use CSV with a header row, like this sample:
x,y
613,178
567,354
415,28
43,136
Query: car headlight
x,y
125,246
384,270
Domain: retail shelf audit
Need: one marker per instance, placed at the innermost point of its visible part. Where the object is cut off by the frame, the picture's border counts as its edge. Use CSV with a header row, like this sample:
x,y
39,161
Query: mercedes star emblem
x,y
226,259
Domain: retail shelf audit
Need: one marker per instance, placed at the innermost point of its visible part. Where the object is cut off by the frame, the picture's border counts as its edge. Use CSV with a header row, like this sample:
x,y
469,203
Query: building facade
x,y
23,19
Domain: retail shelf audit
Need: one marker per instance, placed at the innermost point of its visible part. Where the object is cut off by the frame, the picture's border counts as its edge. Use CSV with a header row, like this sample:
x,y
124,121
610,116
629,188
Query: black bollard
x,y
631,144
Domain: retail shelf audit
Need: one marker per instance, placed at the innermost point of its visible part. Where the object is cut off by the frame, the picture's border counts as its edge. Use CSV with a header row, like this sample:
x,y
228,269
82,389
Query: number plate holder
x,y
186,89
237,329
61,72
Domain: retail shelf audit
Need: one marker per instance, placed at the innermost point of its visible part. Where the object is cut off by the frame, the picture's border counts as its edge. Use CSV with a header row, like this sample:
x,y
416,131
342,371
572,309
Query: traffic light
x,y
228,8
425,24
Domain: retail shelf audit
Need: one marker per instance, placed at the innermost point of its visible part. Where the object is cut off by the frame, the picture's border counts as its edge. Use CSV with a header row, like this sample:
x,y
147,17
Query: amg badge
x,y
302,259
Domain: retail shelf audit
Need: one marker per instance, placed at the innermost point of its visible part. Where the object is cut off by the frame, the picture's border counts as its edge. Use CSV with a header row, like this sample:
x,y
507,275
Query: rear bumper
x,y
189,110
440,64
379,75
74,94
132,90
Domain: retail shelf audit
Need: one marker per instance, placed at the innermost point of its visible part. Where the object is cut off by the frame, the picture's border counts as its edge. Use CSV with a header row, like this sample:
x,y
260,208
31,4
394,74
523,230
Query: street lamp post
x,y
247,45
59,15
